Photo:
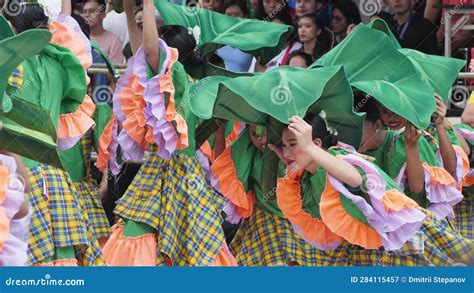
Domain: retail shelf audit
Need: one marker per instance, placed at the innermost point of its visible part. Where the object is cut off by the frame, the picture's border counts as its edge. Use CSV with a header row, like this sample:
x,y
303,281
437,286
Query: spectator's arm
x,y
133,31
431,13
66,7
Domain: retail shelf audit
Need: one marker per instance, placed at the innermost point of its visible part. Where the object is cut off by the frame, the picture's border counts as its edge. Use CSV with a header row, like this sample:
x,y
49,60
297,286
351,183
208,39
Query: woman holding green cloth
x,y
60,232
169,215
264,237
355,201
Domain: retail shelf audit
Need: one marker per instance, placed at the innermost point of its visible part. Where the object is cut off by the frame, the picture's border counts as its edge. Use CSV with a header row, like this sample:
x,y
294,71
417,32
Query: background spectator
x,y
316,39
300,59
94,13
116,23
344,14
411,29
214,5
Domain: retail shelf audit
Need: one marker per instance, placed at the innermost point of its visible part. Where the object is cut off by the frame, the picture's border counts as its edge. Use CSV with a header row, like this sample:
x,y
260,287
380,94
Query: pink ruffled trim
x,y
108,144
13,232
396,225
440,187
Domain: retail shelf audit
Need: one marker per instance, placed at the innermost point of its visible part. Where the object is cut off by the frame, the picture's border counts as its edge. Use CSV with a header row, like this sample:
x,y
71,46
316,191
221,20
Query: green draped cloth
x,y
26,128
439,71
270,99
281,93
375,66
263,40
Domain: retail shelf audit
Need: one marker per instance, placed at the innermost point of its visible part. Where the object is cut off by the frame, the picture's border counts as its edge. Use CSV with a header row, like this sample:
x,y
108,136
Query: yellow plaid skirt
x,y
436,244
57,219
91,202
172,197
266,239
464,217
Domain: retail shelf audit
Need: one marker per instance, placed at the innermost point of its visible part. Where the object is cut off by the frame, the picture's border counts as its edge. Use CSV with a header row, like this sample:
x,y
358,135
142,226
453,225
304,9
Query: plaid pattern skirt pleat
x,y
464,217
90,200
436,244
266,239
57,218
172,197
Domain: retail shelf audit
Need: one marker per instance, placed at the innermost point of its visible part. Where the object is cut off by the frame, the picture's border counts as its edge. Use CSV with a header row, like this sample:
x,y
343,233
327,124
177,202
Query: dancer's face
x,y
392,120
258,141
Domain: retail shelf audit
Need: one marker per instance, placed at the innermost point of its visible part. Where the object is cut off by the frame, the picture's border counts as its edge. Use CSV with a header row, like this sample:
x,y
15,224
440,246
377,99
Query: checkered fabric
x,y
172,196
266,239
16,78
444,245
88,194
436,244
464,217
89,199
58,220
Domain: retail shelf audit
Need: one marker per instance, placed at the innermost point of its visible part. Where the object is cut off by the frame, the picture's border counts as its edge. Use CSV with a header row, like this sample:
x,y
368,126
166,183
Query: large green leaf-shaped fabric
x,y
262,39
280,94
375,66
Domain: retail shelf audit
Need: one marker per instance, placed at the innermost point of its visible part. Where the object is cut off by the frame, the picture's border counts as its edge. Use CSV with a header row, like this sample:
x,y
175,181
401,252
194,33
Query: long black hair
x,y
182,39
31,15
325,41
320,130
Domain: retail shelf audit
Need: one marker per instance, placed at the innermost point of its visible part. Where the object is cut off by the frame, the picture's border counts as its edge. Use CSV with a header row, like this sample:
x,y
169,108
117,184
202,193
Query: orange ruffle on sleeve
x,y
234,134
166,86
127,251
133,107
76,124
465,166
394,201
65,36
103,154
340,222
207,151
4,221
291,204
439,175
231,187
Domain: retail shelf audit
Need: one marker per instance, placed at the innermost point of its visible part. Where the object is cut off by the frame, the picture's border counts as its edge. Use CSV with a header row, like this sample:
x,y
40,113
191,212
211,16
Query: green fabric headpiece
x,y
440,72
27,129
5,29
374,66
281,93
263,40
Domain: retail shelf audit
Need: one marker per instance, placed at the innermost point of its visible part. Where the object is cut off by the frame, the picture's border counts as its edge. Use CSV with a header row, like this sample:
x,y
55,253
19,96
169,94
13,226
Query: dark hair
x,y
127,51
83,24
262,15
320,130
216,60
179,37
137,9
305,56
350,11
325,41
31,17
100,2
285,17
241,3
364,103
